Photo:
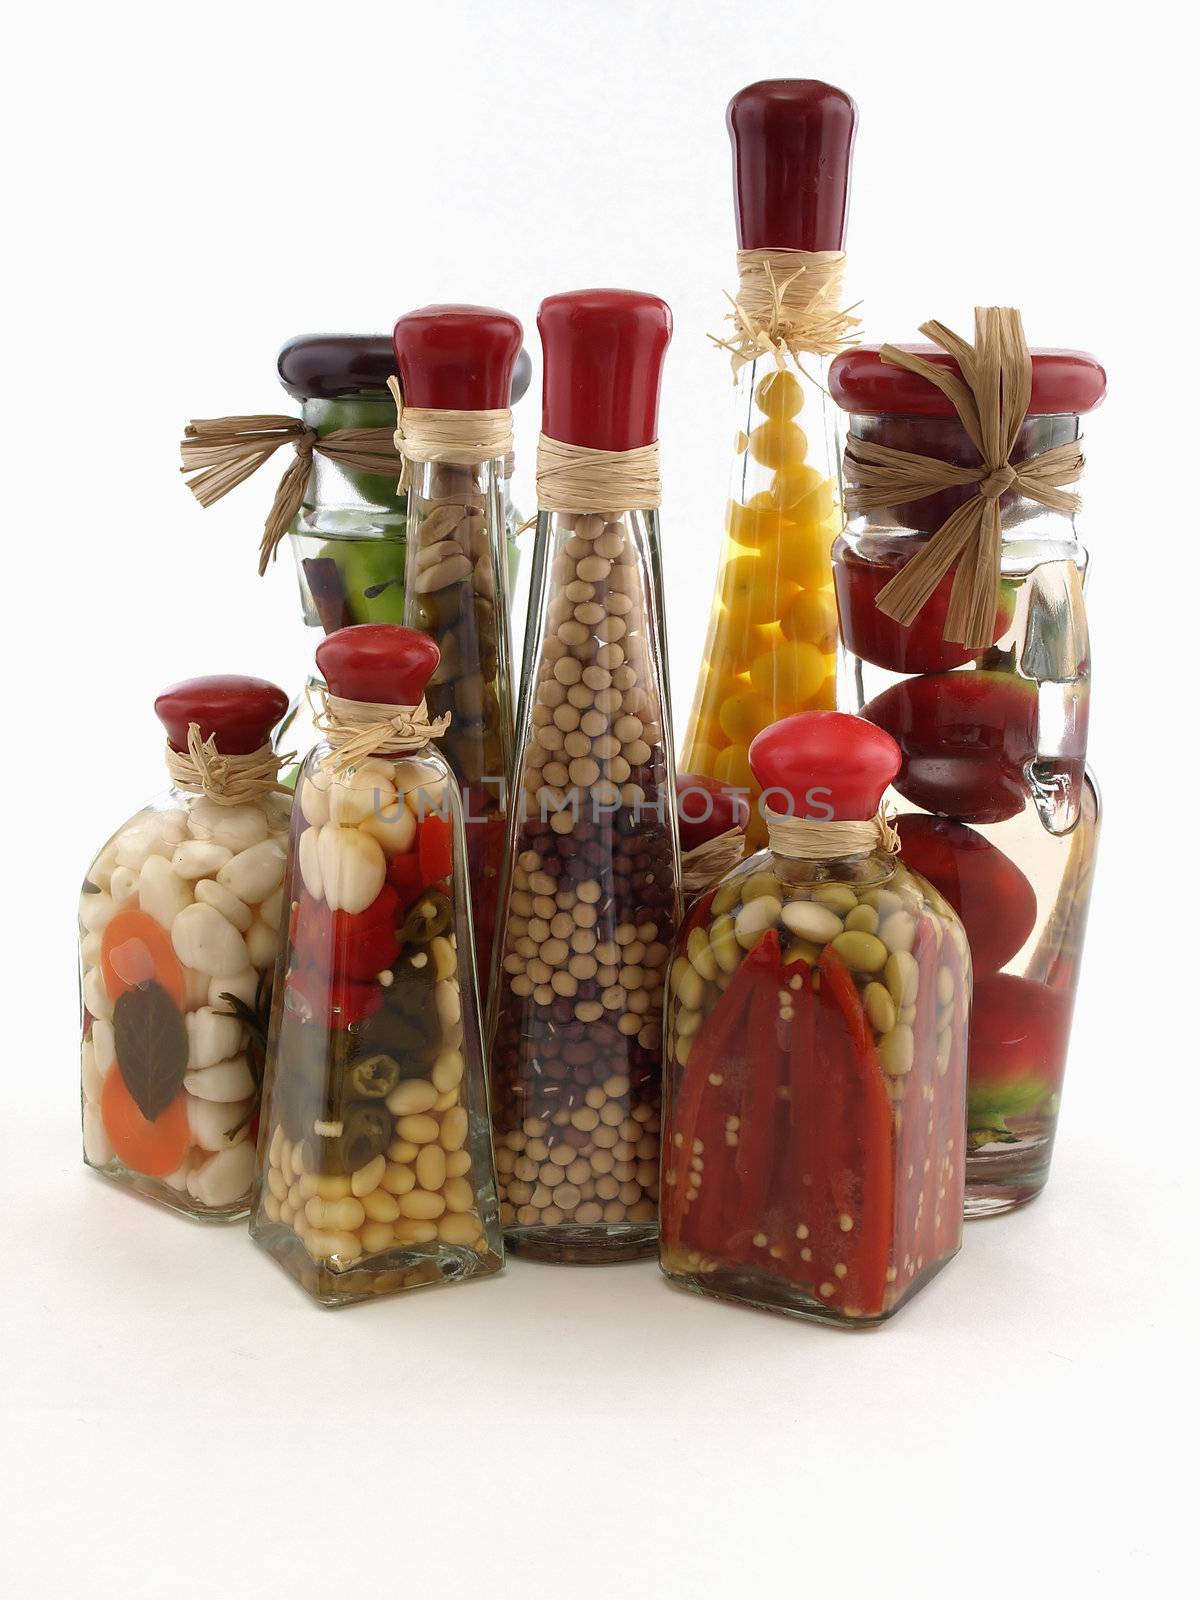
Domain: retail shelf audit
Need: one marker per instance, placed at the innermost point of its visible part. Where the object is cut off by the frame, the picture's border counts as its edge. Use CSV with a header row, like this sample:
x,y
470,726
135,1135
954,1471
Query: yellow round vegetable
x,y
779,395
789,675
812,617
775,444
745,714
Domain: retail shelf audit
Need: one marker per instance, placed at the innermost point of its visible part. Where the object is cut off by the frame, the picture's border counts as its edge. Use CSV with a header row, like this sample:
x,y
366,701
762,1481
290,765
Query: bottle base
x,y
584,1247
1004,1176
418,1267
759,1292
176,1200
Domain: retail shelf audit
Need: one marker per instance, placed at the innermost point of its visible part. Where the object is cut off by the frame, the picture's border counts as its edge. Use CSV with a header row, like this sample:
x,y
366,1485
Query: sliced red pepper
x,y
405,876
763,1075
434,850
856,1140
334,1002
712,1049
915,1229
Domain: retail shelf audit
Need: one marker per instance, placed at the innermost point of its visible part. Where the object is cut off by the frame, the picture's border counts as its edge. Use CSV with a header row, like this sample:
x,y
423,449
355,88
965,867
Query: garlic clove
x,y
310,862
252,874
199,858
224,1082
352,867
212,1036
162,893
209,942
211,893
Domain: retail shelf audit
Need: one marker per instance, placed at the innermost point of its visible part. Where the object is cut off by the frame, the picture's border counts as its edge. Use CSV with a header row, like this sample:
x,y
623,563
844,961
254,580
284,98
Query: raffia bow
x,y
222,452
357,729
227,780
787,305
991,398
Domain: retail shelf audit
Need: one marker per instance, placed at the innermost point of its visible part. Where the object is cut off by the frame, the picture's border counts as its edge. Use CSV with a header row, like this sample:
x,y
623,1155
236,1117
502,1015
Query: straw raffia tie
x,y
574,477
459,438
702,865
226,780
357,729
806,839
787,304
222,452
991,398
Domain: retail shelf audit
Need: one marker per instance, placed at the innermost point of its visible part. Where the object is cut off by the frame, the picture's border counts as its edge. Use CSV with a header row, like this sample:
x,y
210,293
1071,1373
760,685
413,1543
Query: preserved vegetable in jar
x,y
456,373
339,501
375,1158
592,898
965,636
179,928
816,1050
772,636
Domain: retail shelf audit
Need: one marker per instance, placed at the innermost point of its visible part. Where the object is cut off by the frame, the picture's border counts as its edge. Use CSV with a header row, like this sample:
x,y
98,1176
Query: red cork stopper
x,y
457,358
603,353
824,765
792,143
1064,381
707,809
239,713
378,661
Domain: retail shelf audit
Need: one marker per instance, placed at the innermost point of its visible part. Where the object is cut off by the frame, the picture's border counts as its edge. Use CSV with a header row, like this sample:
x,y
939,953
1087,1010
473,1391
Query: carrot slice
x,y
153,1148
135,949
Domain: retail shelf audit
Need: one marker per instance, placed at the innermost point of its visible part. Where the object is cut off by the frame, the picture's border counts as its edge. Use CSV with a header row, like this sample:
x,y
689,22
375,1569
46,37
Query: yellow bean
x,y
896,1050
398,1179
700,955
902,977
335,1216
455,1124
333,1188
421,1129
380,1206
409,1230
368,1177
459,1229
413,1095
880,1007
458,1194
722,941
431,1167
377,1236
863,919
837,896
726,897
337,1248
448,1070
458,1163
421,1205
402,1150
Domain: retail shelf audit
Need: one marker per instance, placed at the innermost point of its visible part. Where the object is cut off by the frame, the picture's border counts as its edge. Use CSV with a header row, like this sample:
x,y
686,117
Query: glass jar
x,y
348,538
593,892
816,1053
1000,812
712,832
772,635
178,926
454,359
375,1159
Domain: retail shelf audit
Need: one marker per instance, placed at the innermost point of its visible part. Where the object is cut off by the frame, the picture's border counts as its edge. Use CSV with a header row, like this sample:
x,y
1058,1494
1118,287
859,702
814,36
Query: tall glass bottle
x,y
374,1157
1000,813
349,536
593,890
455,359
772,635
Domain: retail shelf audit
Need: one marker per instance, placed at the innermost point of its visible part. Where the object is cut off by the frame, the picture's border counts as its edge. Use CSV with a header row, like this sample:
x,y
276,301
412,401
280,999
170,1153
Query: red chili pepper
x,y
918,1244
434,850
764,1072
404,875
710,1055
857,1139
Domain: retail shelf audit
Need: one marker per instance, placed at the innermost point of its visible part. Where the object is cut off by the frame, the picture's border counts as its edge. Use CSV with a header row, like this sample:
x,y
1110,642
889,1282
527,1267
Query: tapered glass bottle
x,y
1000,811
375,1158
772,636
453,361
593,891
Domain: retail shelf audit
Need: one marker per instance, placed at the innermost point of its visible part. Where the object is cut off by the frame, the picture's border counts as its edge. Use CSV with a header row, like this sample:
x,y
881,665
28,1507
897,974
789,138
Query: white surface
x,y
195,184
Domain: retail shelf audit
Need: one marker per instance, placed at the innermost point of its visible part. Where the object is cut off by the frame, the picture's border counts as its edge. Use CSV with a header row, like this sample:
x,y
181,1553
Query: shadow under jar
x,y
592,898
813,1142
375,1158
1000,812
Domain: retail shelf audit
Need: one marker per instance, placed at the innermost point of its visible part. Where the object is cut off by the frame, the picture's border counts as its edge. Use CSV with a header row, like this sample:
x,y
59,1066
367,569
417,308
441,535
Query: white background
x,y
189,186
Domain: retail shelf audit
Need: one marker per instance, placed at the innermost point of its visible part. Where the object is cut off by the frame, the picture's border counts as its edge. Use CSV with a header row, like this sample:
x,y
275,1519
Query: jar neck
x,y
945,439
335,489
872,867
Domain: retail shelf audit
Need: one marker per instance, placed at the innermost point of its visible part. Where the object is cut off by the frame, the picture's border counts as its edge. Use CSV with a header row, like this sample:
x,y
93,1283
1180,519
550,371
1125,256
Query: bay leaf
x,y
152,1046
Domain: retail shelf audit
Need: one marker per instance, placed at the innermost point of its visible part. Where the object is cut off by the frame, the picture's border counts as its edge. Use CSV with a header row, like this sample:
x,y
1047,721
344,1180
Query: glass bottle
x,y
816,1054
178,925
348,538
772,635
450,359
375,1158
1000,812
592,897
